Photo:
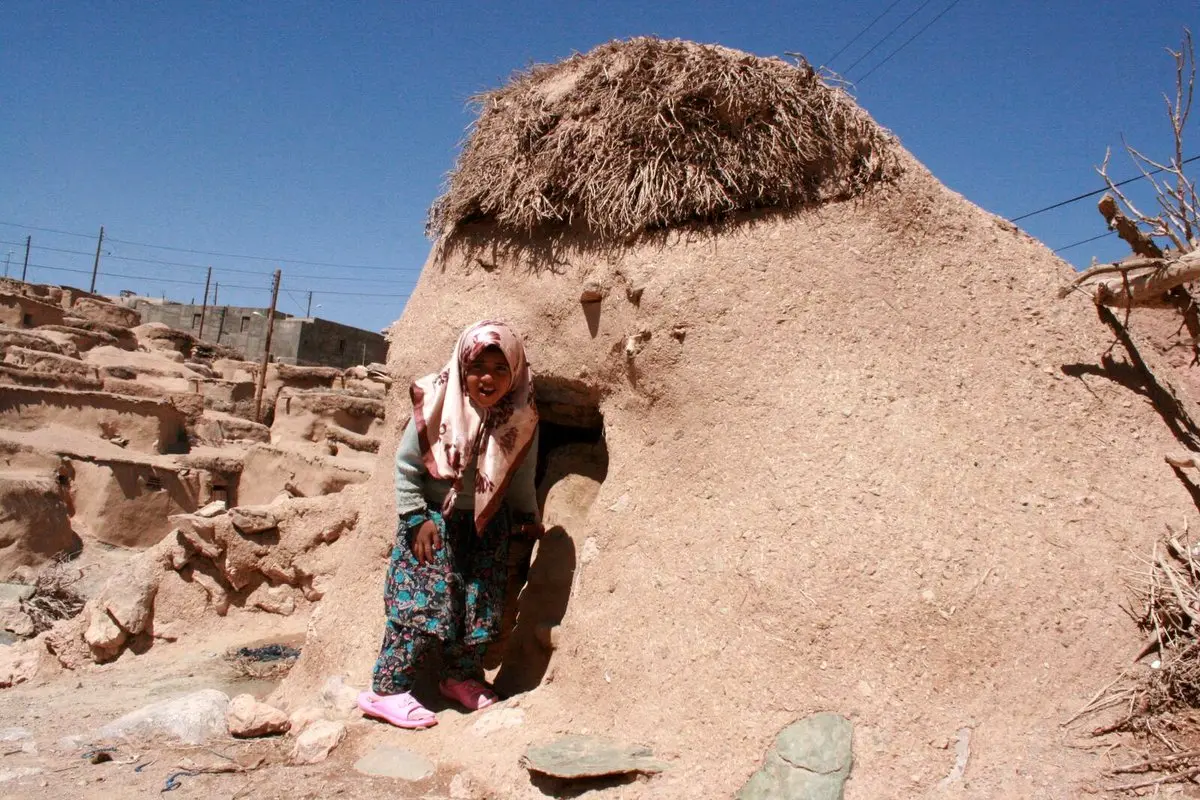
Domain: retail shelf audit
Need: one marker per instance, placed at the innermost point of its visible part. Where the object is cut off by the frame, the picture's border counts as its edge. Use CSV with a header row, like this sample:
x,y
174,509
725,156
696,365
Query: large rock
x,y
317,741
248,718
574,757
250,519
192,719
810,760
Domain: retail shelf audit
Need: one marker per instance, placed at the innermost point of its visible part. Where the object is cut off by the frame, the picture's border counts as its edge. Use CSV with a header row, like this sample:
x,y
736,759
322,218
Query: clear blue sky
x,y
321,132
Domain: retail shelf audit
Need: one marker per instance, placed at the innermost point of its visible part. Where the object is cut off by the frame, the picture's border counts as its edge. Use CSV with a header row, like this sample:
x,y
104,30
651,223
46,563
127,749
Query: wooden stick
x,y
1174,776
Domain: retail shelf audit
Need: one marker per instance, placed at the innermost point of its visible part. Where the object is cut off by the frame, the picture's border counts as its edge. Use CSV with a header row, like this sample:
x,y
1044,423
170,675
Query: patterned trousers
x,y
405,649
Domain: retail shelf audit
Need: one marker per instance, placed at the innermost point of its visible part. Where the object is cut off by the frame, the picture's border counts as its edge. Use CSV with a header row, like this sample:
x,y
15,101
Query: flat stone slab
x,y
574,757
811,760
13,593
395,762
192,719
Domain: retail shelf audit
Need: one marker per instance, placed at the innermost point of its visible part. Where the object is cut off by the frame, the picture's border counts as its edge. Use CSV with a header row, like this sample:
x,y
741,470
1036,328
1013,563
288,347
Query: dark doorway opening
x,y
572,464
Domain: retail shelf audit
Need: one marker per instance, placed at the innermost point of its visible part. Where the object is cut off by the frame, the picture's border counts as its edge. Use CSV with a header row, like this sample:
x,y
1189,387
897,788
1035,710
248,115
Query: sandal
x,y
470,693
401,710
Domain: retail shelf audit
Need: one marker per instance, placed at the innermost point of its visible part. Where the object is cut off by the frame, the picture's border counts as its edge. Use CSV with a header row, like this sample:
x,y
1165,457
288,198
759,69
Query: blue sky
x,y
321,132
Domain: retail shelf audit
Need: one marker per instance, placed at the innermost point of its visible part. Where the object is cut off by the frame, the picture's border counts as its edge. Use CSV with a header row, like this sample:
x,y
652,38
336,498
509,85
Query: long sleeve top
x,y
416,489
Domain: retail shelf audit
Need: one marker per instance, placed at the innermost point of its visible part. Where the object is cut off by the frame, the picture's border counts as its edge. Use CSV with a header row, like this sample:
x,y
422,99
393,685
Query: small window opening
x,y
195,321
27,320
341,346
245,324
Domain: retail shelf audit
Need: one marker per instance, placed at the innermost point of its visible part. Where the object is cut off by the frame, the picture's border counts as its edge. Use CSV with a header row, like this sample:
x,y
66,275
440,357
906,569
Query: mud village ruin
x,y
840,493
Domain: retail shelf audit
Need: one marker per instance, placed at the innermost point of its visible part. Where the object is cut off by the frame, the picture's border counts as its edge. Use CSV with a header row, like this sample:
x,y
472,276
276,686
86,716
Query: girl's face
x,y
488,378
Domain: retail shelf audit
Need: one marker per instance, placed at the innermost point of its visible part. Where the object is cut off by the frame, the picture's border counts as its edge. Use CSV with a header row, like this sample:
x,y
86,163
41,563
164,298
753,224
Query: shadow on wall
x,y
572,464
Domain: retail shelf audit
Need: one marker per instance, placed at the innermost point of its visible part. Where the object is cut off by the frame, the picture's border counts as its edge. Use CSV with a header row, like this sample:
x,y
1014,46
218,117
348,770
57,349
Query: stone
x,y
250,519
810,760
593,292
12,594
103,634
589,551
247,718
317,741
395,762
16,621
192,719
7,775
19,663
20,737
573,757
303,717
461,787
130,600
498,719
273,599
338,696
214,509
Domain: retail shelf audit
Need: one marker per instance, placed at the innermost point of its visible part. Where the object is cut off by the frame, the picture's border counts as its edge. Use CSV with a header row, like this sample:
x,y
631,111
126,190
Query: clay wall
x,y
18,311
150,426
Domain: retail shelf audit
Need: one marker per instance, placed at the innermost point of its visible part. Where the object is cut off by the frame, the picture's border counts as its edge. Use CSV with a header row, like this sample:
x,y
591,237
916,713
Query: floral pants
x,y
456,600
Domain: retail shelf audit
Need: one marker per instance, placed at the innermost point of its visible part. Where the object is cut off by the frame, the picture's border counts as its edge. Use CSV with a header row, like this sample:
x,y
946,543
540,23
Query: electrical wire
x,y
1086,195
888,35
857,36
927,26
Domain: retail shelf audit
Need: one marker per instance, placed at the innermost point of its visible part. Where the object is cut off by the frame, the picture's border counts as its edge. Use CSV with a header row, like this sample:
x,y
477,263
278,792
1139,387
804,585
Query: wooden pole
x,y
25,267
262,372
204,307
96,263
308,312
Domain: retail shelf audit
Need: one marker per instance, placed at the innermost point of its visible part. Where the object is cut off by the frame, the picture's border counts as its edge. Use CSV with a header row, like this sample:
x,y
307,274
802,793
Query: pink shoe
x,y
470,693
402,710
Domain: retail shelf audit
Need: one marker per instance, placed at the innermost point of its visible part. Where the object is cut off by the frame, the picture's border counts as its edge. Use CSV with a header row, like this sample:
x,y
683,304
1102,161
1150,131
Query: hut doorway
x,y
572,464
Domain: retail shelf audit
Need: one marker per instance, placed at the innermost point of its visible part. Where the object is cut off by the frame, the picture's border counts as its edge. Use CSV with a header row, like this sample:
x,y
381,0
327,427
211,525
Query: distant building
x,y
301,341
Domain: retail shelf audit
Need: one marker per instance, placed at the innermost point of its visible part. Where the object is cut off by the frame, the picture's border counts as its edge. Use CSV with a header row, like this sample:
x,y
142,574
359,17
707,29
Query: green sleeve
x,y
410,472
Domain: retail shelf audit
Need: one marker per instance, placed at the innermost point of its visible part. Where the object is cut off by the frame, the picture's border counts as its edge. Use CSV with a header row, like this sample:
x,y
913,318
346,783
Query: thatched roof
x,y
646,134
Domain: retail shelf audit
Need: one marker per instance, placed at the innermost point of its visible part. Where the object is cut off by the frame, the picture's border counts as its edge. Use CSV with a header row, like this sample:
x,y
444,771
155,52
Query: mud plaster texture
x,y
847,471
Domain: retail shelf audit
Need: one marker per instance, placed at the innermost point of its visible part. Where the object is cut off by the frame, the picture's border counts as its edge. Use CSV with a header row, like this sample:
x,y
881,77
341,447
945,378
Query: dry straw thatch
x,y
647,134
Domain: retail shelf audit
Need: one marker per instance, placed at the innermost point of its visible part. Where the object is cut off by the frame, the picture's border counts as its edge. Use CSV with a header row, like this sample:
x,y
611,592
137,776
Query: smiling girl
x,y
464,484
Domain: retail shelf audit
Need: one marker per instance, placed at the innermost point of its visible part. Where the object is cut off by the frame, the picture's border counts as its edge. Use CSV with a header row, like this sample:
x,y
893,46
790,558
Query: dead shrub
x,y
54,596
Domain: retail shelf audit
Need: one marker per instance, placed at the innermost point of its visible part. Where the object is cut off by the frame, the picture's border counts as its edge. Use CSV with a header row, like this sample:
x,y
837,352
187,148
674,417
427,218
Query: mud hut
x,y
819,437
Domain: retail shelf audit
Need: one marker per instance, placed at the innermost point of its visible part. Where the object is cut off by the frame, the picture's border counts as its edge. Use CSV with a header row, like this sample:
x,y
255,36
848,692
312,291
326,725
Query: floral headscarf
x,y
454,432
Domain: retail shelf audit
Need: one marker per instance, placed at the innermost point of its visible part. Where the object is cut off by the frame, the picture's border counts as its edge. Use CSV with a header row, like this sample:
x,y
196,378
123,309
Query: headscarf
x,y
454,432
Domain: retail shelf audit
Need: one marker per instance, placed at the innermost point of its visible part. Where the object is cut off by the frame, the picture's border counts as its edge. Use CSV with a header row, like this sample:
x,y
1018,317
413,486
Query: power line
x,y
1083,241
152,279
910,41
110,255
857,36
1086,195
208,252
888,35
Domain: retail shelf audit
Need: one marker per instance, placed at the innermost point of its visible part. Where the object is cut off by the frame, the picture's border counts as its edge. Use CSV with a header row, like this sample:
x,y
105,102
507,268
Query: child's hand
x,y
532,530
426,542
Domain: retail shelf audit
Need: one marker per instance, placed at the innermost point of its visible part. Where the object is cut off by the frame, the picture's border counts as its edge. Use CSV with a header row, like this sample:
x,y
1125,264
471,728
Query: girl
x,y
464,480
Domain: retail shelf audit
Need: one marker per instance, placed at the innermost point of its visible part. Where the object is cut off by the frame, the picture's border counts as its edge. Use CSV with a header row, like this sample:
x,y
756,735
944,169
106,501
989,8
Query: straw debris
x,y
648,134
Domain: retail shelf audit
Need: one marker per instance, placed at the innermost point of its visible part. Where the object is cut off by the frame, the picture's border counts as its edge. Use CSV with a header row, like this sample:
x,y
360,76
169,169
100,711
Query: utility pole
x,y
308,312
204,307
25,268
216,289
262,373
96,263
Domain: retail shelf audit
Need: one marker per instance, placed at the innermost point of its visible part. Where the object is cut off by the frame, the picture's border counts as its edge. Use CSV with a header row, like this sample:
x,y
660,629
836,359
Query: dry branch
x,y
1127,229
1141,281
